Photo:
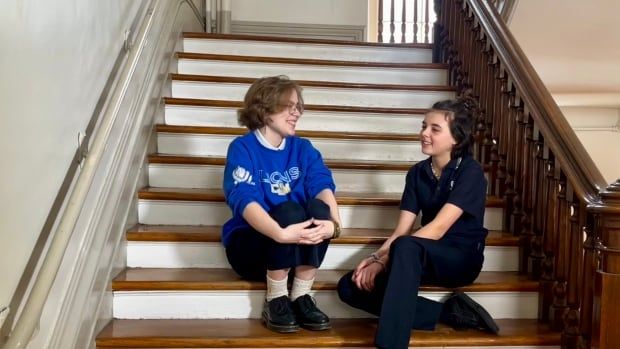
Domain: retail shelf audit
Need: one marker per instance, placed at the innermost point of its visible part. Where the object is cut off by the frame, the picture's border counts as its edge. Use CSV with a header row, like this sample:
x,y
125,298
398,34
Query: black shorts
x,y
251,253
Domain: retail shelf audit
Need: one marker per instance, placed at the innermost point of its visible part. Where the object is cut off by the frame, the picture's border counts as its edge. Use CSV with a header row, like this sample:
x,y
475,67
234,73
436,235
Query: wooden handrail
x,y
557,201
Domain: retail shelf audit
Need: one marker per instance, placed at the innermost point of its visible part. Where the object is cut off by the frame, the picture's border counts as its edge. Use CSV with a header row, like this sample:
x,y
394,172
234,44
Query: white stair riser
x,y
368,75
204,176
339,256
310,51
330,148
217,213
248,304
318,95
311,120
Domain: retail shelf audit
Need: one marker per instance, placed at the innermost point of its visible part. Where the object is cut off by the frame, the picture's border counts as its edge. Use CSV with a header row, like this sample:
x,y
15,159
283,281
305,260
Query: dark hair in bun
x,y
459,114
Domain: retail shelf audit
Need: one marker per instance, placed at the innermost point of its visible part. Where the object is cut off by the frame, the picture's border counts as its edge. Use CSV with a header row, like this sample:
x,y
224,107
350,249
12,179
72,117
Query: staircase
x,y
364,106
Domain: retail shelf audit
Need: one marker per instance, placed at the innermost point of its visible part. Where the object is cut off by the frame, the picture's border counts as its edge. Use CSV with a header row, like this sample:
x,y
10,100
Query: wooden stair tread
x,y
251,333
209,233
309,83
197,279
267,38
331,163
197,102
343,198
306,61
238,131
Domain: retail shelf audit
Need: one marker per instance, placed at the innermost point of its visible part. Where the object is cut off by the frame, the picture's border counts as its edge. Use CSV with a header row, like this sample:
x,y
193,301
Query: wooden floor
x,y
344,333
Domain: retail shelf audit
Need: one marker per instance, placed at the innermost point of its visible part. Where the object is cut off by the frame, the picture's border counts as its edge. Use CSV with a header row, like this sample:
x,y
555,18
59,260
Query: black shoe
x,y
462,312
308,315
278,315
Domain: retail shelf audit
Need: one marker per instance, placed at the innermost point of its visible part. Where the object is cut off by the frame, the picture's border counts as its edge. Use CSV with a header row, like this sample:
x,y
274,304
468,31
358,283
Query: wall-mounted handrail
x,y
31,313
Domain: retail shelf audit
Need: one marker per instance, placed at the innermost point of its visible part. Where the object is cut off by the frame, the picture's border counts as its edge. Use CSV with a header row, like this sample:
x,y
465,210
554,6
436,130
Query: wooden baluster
x,y
498,114
380,24
426,21
529,166
536,246
590,264
549,235
507,152
559,306
416,21
571,337
392,24
403,23
520,152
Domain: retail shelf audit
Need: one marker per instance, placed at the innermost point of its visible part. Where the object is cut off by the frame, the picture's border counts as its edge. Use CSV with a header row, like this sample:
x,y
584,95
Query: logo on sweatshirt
x,y
279,182
241,175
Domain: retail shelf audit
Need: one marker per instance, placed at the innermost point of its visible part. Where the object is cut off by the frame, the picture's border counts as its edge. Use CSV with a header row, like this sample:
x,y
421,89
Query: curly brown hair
x,y
266,96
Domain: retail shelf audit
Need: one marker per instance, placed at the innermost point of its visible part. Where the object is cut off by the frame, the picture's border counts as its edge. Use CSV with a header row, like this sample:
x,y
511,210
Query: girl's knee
x,y
345,287
317,209
287,213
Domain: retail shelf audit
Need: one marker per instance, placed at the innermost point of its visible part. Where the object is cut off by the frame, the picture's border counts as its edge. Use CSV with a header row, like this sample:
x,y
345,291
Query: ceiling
x,y
574,45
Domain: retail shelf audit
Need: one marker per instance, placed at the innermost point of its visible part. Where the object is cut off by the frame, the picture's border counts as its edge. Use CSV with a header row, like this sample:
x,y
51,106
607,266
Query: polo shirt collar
x,y
265,143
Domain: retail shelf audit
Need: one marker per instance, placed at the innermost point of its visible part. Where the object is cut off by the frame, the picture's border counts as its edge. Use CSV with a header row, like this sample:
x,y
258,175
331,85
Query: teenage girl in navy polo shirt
x,y
284,210
449,189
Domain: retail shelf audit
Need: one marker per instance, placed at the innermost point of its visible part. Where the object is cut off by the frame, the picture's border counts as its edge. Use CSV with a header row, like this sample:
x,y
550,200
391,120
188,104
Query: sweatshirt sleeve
x,y
240,186
318,176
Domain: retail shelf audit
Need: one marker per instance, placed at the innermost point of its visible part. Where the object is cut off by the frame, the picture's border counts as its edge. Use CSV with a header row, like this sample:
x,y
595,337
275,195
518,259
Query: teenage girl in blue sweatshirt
x,y
284,210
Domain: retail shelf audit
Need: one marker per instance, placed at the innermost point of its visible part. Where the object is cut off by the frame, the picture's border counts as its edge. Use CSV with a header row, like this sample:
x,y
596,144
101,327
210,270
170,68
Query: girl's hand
x,y
326,228
364,278
299,233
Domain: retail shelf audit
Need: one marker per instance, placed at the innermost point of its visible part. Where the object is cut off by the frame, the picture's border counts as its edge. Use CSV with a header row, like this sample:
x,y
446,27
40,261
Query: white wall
x,y
55,58
598,130
336,12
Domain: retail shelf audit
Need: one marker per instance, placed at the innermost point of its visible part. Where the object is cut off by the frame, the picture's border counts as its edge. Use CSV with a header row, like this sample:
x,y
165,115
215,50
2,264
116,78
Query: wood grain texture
x,y
214,279
264,38
247,333
217,195
306,61
196,102
197,233
308,83
237,131
331,163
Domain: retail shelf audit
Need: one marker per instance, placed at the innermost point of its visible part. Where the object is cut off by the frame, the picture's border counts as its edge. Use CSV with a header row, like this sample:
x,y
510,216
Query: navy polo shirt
x,y
464,187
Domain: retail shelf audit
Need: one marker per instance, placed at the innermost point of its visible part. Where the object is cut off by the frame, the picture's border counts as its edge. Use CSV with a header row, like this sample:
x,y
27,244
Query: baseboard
x,y
296,30
80,301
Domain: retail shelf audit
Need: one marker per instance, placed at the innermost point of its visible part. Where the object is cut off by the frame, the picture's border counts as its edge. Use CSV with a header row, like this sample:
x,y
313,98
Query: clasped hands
x,y
302,233
366,272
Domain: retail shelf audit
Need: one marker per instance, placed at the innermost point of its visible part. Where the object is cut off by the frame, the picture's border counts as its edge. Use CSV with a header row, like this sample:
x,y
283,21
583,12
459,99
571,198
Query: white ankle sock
x,y
276,288
301,287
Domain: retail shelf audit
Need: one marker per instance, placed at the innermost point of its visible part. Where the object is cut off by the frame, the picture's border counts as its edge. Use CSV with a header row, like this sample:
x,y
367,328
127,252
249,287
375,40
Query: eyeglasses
x,y
294,107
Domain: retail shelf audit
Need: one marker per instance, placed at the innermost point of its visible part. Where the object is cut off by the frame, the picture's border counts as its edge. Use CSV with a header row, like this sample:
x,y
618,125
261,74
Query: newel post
x,y
606,303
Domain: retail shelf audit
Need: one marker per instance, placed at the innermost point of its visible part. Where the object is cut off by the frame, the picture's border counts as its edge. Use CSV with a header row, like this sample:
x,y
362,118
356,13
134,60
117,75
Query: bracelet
x,y
379,262
336,229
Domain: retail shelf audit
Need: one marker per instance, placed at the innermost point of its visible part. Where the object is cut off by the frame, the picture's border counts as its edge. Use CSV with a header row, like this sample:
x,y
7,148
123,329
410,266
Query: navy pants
x,y
395,299
251,253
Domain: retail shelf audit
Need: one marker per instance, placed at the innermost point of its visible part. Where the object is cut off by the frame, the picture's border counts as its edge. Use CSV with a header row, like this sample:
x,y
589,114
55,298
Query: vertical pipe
x,y
403,24
380,24
392,25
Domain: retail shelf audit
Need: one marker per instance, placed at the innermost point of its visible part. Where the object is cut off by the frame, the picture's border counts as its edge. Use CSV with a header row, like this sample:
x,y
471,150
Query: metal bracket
x,y
4,312
127,42
82,148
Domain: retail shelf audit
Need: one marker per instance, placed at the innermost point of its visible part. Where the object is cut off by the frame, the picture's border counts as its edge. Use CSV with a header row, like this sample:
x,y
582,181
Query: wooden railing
x,y
557,202
406,21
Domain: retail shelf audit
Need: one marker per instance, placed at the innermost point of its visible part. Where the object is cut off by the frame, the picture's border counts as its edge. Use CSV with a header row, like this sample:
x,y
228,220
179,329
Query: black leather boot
x,y
278,315
308,315
461,312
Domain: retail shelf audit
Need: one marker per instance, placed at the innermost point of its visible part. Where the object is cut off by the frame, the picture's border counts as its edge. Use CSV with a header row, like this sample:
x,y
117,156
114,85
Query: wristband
x,y
336,229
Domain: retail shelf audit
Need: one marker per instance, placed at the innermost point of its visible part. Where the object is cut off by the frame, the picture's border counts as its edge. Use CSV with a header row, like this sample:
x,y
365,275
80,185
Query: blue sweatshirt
x,y
254,173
